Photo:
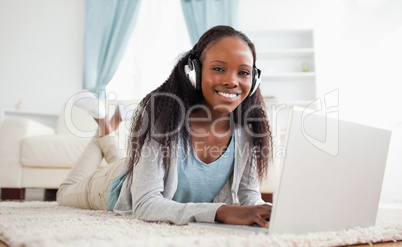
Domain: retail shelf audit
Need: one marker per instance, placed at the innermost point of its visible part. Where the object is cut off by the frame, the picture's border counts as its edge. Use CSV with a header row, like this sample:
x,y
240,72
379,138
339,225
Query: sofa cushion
x,y
52,151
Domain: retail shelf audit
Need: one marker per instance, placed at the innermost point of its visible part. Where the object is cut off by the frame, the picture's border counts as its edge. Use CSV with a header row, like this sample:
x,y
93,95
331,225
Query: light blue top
x,y
114,190
201,182
148,195
197,181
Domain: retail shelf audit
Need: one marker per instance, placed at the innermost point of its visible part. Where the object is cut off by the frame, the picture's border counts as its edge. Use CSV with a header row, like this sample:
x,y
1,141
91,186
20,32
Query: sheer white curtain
x,y
159,38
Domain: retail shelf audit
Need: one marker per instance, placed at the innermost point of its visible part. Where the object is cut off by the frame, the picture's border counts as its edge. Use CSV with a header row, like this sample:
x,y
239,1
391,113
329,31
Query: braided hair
x,y
162,113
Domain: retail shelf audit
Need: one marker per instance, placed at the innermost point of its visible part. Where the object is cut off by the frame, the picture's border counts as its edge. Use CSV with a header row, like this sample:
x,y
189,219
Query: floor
x,y
386,213
389,215
390,212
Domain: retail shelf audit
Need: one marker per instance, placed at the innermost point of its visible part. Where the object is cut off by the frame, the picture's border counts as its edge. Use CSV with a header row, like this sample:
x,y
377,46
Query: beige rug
x,y
47,224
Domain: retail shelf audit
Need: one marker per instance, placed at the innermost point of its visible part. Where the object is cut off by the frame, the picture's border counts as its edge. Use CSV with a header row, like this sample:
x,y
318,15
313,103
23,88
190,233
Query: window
x,y
159,39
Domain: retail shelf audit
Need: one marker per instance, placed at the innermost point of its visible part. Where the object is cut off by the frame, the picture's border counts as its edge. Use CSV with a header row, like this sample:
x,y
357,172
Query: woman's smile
x,y
226,74
228,94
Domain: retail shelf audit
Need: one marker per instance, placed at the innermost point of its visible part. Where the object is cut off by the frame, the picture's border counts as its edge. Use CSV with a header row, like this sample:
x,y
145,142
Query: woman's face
x,y
226,74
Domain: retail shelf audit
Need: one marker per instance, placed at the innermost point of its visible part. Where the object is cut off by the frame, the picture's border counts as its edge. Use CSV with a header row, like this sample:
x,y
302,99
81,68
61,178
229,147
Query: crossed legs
x,y
86,185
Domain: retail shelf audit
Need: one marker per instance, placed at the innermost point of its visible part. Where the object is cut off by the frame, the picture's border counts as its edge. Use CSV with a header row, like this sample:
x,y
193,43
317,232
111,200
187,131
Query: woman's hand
x,y
244,215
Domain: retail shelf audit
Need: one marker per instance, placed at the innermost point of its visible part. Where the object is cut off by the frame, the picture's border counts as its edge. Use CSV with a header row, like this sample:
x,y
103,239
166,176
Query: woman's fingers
x,y
244,215
261,222
263,214
262,210
266,212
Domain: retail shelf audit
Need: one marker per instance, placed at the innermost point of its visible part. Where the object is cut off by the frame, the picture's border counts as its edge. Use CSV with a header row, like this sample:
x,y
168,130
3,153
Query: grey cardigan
x,y
150,195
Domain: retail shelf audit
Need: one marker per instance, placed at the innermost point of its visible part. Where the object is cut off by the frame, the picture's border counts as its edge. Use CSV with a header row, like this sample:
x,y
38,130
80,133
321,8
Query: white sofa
x,y
33,155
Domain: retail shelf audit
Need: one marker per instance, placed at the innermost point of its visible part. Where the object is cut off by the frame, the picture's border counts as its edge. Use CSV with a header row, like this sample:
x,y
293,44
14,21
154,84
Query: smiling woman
x,y
199,144
226,74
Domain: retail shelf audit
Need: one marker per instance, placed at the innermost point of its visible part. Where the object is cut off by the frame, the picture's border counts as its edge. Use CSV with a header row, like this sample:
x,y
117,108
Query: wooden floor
x,y
2,244
388,244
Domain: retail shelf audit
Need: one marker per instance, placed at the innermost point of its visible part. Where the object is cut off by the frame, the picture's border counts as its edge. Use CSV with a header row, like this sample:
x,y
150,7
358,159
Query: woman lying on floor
x,y
199,143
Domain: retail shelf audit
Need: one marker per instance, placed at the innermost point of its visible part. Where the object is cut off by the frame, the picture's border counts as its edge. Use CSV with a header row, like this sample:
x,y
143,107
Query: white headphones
x,y
193,73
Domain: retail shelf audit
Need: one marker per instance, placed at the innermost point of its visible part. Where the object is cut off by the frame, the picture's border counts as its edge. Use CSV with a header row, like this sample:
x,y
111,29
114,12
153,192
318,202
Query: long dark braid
x,y
162,119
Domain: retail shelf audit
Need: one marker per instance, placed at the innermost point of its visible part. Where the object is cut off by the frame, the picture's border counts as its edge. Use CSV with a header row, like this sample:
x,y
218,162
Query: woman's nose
x,y
231,80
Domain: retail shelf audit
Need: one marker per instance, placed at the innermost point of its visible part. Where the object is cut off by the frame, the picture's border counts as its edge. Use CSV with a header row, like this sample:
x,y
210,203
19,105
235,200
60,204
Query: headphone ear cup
x,y
193,72
190,73
197,70
256,81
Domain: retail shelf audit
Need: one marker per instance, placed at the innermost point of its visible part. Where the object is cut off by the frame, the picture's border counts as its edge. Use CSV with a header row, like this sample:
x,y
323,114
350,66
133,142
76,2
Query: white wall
x,y
41,52
358,51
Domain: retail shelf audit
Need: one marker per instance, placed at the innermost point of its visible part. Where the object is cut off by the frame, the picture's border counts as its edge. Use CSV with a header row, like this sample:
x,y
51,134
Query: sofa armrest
x,y
12,132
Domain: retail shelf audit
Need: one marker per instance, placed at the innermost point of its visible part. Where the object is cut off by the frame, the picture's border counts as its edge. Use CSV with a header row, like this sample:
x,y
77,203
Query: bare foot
x,y
89,103
116,119
104,126
123,112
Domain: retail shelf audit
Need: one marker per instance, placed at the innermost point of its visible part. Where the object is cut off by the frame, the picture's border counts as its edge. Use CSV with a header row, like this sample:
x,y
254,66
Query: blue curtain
x,y
109,25
201,15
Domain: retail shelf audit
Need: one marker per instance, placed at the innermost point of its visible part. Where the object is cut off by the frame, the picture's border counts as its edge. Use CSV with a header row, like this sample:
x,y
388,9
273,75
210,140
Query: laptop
x,y
331,177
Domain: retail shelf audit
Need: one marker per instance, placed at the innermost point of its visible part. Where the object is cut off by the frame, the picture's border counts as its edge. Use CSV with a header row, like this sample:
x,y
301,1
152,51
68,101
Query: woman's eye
x,y
218,69
244,72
